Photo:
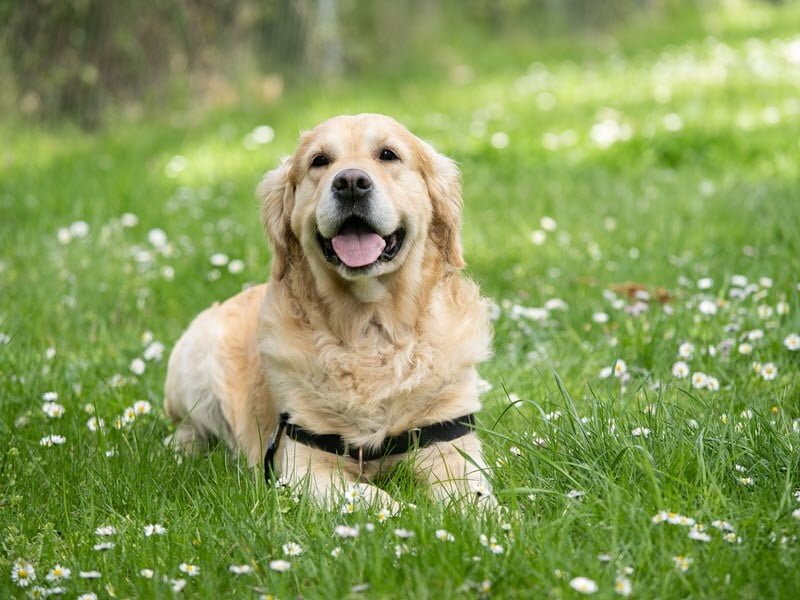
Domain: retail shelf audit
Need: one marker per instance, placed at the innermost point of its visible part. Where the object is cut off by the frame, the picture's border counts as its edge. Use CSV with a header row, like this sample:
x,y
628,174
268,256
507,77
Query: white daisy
x,y
712,383
345,531
236,266
189,569
292,549
103,546
404,533
154,529
682,563
88,596
584,585
50,396
600,317
680,370
219,259
792,342
699,380
23,573
240,569
52,440
137,366
105,530
444,536
177,584
54,410
57,573
620,368
623,586
707,307
280,566
95,423
686,350
745,348
141,407
336,551
147,573
89,574
640,432
769,371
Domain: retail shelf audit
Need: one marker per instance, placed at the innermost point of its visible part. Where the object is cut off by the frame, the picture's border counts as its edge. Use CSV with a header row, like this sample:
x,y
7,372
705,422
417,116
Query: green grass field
x,y
627,211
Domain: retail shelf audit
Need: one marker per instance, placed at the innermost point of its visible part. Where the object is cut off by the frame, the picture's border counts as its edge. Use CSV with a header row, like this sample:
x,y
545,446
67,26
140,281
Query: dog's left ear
x,y
277,195
444,186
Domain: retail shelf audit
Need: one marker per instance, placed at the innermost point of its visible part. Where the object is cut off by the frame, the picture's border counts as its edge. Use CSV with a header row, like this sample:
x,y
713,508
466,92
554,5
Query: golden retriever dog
x,y
367,328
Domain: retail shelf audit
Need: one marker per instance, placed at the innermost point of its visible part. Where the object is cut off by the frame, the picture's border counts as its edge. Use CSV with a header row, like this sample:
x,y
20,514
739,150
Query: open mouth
x,y
357,245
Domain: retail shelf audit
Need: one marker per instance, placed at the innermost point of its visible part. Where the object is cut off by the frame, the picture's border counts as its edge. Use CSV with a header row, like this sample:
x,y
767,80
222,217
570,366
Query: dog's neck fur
x,y
392,303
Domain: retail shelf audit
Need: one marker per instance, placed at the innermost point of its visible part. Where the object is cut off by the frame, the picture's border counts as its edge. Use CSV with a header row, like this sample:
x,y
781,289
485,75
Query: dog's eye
x,y
320,160
387,154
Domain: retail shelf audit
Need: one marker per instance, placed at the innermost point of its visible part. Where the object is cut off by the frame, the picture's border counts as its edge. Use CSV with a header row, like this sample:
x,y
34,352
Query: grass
x,y
708,195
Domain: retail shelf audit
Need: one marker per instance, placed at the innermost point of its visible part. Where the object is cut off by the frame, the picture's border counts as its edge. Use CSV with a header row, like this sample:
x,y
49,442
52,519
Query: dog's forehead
x,y
355,133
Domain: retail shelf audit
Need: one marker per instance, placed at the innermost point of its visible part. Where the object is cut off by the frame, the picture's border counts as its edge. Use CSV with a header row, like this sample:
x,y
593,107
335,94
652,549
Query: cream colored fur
x,y
359,356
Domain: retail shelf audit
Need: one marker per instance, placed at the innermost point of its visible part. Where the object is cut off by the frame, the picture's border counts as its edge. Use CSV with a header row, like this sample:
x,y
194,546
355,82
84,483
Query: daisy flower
x,y
23,573
236,266
89,574
336,551
748,481
745,348
52,440
792,342
383,515
699,380
102,546
58,573
623,586
88,596
54,410
600,317
444,536
280,566
706,283
240,569
219,259
712,384
346,531
707,307
190,570
697,533
796,513
137,366
769,371
404,533
141,407
105,530
50,396
620,368
154,529
686,350
177,584
575,494
292,549
495,548
583,585
682,563
640,431
95,423
680,370
147,573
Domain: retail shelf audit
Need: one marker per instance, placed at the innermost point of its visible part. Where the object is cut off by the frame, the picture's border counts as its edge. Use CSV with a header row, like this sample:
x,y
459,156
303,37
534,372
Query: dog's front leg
x,y
452,476
332,481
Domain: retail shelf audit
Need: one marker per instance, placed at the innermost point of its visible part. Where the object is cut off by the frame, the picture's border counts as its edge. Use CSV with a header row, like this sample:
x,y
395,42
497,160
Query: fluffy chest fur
x,y
385,378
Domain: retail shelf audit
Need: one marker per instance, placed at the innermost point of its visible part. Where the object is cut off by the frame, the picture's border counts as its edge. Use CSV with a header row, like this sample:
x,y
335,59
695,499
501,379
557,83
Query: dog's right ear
x,y
277,196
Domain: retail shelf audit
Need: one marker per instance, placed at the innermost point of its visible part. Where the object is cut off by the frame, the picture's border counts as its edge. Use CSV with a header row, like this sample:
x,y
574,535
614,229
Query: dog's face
x,y
359,196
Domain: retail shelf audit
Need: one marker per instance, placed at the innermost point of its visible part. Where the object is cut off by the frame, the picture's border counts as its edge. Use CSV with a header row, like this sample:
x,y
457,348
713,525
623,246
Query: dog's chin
x,y
358,251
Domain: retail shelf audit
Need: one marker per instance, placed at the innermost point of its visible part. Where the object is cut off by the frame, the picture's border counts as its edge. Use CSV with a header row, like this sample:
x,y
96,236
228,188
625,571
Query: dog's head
x,y
359,197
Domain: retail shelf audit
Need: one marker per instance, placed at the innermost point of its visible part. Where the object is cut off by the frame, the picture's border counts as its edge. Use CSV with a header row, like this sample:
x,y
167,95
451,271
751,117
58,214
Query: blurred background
x,y
93,60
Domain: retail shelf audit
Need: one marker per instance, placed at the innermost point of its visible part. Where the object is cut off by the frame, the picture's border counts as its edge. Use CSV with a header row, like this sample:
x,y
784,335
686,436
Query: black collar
x,y
398,444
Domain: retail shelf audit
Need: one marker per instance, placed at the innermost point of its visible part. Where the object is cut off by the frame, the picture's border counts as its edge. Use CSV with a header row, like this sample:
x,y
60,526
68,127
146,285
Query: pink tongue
x,y
358,249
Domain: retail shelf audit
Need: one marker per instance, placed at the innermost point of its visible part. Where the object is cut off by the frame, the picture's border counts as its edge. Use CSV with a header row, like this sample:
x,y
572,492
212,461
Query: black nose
x,y
351,184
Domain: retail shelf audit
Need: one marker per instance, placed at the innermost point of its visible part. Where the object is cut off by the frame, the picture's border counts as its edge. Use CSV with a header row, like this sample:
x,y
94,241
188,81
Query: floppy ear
x,y
277,196
444,187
